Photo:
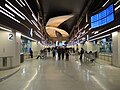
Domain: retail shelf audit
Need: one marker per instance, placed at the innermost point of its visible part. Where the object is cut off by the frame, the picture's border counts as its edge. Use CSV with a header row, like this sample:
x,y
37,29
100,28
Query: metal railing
x,y
89,56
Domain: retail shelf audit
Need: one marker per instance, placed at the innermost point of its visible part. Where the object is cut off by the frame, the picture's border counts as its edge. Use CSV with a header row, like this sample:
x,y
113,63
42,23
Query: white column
x,y
10,47
79,46
116,49
89,46
17,35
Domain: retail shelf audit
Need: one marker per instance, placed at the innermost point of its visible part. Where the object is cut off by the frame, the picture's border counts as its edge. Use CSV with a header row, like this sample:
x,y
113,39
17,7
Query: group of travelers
x,y
61,51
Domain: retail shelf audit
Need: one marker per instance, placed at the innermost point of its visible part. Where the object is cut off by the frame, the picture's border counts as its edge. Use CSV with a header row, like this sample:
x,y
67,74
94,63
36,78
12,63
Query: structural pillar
x,y
116,49
89,46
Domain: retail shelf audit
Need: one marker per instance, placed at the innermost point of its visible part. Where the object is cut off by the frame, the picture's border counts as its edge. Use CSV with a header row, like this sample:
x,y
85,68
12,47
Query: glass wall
x,y
25,45
106,45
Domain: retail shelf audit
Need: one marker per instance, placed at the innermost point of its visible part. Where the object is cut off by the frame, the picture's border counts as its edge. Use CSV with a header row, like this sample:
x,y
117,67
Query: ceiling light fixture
x,y
35,24
38,35
106,31
105,3
22,2
100,37
19,3
28,38
7,11
14,11
5,29
34,17
86,26
9,16
28,6
19,11
117,2
117,8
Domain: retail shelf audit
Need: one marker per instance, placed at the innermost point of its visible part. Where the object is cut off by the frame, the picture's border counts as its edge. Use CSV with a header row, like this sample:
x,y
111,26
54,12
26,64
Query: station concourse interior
x,y
59,45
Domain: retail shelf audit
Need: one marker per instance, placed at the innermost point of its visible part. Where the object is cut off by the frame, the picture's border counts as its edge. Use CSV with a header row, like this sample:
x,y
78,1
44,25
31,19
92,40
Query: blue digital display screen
x,y
104,17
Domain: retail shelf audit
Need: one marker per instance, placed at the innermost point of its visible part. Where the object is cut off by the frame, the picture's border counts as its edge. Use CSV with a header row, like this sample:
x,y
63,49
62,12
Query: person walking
x,y
81,54
63,52
31,53
67,54
53,52
59,53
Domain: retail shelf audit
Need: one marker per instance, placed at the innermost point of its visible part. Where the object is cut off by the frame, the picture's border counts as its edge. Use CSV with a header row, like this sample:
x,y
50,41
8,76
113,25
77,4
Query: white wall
x,y
35,48
10,47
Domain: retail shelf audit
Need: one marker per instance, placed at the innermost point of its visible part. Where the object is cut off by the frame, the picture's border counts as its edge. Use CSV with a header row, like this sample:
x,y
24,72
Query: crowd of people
x,y
63,53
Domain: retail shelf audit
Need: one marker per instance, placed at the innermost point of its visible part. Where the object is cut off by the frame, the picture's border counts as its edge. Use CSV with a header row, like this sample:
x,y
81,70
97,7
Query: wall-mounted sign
x,y
10,36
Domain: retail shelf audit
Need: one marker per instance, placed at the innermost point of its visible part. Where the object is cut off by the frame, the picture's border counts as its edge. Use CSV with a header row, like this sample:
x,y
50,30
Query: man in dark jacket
x,y
81,54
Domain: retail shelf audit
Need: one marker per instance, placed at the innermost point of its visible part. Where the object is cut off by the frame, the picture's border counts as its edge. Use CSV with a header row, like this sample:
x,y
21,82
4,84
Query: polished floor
x,y
52,74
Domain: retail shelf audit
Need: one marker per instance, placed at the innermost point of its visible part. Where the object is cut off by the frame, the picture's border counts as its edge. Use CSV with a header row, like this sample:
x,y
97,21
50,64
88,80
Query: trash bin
x,y
21,58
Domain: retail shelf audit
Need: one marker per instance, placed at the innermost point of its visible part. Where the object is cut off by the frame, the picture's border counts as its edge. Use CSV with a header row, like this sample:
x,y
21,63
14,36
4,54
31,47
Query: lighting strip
x,y
19,3
117,2
34,17
89,28
35,24
14,11
9,16
117,8
22,2
28,37
31,11
5,29
7,11
106,31
84,34
28,6
86,26
100,37
105,3
96,32
18,11
38,34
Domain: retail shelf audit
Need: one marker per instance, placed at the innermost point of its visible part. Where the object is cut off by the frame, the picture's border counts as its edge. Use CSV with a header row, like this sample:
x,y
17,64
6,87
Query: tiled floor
x,y
52,74
6,73
102,62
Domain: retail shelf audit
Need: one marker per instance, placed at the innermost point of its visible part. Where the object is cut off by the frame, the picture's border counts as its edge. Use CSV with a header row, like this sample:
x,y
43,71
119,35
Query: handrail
x,y
89,56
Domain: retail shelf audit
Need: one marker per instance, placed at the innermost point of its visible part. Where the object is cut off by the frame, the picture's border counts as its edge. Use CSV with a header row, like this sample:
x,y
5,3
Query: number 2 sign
x,y
10,36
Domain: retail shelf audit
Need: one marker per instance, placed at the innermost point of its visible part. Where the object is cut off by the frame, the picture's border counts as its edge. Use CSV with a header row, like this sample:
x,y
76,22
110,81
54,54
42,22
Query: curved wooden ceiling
x,y
53,23
52,32
56,21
